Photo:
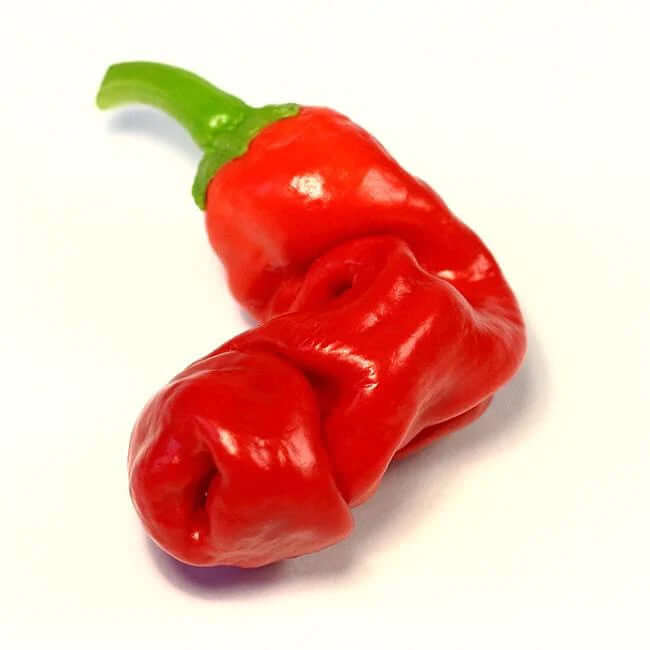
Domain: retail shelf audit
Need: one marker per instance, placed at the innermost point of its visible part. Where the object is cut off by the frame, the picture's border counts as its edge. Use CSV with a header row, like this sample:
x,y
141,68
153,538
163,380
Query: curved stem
x,y
221,124
199,106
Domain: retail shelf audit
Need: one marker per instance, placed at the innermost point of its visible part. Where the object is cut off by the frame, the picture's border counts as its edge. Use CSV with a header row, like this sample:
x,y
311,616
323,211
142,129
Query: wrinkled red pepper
x,y
385,323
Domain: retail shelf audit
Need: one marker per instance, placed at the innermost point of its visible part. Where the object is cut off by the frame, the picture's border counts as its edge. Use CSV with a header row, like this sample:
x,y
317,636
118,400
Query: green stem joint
x,y
222,125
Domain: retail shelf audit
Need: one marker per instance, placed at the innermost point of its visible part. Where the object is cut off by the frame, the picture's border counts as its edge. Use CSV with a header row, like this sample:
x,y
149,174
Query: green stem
x,y
221,124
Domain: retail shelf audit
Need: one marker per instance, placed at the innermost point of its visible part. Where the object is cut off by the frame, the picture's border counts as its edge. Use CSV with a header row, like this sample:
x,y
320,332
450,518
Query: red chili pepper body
x,y
385,323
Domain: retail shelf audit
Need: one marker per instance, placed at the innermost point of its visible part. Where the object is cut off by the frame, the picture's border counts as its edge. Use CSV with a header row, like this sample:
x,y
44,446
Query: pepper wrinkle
x,y
384,323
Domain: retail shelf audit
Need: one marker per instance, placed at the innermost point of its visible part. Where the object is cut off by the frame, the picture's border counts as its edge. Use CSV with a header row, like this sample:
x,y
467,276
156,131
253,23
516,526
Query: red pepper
x,y
385,323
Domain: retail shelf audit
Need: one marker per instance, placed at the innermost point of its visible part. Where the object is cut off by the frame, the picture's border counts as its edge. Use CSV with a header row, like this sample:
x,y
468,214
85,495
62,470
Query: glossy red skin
x,y
219,456
385,323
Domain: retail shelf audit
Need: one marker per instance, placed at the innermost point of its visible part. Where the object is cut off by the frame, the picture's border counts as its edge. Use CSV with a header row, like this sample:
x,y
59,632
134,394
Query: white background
x,y
530,528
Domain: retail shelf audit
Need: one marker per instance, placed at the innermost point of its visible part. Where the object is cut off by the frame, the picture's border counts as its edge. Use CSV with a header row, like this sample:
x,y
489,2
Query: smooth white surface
x,y
529,529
